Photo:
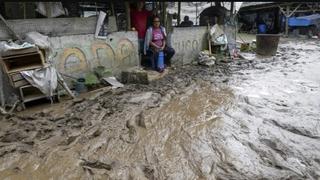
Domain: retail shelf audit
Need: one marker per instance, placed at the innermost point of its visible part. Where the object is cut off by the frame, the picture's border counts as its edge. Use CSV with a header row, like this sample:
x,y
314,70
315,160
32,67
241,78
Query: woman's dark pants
x,y
153,56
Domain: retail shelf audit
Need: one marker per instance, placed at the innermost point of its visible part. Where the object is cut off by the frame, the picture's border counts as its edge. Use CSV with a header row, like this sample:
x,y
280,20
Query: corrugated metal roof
x,y
251,4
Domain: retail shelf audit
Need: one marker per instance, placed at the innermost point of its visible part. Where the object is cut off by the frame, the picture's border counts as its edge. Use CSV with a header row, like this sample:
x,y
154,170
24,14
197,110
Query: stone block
x,y
134,76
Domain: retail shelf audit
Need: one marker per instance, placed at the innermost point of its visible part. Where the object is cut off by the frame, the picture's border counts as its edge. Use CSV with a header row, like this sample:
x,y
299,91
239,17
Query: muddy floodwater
x,y
257,119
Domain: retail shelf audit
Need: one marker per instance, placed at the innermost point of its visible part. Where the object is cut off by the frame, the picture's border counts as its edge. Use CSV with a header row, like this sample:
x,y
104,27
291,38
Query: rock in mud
x,y
97,164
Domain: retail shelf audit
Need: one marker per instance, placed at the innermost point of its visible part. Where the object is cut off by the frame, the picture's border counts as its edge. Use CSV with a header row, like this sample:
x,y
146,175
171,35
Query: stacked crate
x,y
15,61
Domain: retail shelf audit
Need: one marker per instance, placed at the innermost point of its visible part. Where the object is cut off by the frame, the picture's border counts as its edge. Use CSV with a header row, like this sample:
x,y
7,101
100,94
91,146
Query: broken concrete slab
x,y
134,76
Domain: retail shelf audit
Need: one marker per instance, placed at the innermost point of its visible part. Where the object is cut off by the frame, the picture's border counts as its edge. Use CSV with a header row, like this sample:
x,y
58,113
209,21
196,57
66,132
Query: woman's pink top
x,y
157,36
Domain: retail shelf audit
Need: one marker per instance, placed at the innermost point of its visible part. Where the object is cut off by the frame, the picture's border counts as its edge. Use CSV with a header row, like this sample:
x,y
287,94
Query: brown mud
x,y
245,119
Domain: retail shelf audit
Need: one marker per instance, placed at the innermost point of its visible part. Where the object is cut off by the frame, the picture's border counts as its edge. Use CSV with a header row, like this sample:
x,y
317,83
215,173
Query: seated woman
x,y
155,42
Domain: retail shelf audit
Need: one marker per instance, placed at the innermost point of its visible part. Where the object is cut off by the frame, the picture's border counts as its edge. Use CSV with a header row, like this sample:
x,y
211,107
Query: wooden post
x,y
287,19
48,9
288,14
231,9
2,99
209,39
179,13
196,13
276,21
127,5
165,5
163,11
112,8
24,11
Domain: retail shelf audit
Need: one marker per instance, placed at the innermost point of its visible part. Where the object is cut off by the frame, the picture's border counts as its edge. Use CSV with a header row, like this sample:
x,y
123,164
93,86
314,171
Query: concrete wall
x,y
78,54
188,42
49,26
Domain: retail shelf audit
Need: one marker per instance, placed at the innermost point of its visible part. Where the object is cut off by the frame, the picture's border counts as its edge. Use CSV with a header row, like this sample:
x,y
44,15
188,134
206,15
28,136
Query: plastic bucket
x,y
80,86
262,28
267,44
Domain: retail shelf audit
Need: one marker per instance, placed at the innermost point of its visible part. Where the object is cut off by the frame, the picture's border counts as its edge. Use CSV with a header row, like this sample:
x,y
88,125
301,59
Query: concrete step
x,y
138,75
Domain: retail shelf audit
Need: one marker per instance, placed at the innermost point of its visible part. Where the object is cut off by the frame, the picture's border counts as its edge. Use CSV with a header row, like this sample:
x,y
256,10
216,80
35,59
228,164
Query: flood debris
x,y
247,56
28,66
113,81
96,164
206,59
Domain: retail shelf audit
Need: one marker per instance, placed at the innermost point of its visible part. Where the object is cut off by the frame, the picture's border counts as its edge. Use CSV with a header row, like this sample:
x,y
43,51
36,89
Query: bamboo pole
x,y
10,29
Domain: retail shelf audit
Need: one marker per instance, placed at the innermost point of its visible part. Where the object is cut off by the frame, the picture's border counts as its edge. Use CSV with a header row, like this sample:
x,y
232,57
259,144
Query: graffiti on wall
x,y
78,59
187,45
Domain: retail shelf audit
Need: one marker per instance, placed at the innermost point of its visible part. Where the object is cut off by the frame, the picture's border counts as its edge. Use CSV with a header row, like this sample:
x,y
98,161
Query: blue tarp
x,y
313,19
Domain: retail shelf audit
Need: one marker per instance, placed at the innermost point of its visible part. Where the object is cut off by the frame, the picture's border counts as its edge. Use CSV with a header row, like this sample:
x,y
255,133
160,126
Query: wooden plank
x,y
16,77
6,58
17,80
10,29
50,26
20,83
20,51
25,68
127,6
33,97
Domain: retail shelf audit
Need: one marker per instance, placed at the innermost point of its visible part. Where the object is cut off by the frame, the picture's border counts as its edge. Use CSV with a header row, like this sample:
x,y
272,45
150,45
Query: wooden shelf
x,y
29,93
33,97
25,68
22,62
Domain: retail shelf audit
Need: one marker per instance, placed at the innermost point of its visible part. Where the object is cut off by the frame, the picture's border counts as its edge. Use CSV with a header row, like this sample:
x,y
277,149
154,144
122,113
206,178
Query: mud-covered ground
x,y
257,119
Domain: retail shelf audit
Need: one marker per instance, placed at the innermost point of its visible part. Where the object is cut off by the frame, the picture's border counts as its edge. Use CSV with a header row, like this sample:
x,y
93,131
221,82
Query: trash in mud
x,y
206,59
247,56
113,81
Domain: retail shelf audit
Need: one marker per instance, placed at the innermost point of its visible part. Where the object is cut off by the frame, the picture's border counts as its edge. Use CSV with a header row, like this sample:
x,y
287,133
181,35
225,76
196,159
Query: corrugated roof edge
x,y
252,4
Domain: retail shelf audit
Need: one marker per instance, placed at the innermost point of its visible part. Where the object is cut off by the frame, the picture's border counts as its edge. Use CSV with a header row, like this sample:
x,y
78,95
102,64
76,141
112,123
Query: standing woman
x,y
155,42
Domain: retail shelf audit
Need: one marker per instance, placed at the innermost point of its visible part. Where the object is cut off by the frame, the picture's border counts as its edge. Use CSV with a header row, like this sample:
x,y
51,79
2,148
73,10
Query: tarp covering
x,y
42,42
9,46
313,19
45,79
218,36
